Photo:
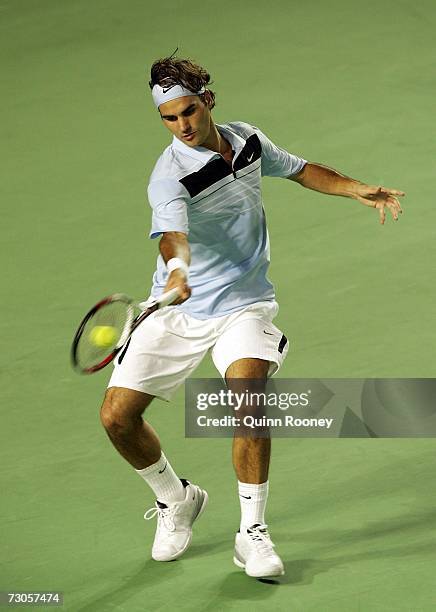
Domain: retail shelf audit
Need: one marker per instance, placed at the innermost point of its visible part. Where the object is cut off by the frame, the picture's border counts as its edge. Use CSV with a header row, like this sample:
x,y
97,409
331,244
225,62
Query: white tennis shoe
x,y
254,552
174,522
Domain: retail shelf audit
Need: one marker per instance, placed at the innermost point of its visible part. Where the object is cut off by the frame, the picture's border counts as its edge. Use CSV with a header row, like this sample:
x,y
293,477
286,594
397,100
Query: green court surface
x,y
345,83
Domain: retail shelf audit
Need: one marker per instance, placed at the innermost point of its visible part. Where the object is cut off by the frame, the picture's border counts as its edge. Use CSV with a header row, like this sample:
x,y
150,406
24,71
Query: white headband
x,y
165,94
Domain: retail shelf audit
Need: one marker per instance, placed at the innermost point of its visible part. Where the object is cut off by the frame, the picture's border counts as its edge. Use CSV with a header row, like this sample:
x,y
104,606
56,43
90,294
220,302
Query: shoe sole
x,y
240,564
189,540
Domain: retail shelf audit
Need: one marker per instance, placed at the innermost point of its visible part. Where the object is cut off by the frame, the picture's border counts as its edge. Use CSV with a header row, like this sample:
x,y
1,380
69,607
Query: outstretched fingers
x,y
394,207
382,198
382,213
394,192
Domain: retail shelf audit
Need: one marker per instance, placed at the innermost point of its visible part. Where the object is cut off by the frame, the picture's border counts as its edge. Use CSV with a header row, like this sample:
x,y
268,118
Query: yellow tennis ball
x,y
103,336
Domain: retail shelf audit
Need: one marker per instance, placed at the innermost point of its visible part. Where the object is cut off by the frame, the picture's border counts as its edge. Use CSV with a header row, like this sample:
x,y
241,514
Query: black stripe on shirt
x,y
211,173
250,153
217,169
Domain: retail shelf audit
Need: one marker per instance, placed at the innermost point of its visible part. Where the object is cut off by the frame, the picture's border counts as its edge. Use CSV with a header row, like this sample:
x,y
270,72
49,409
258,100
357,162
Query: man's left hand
x,y
380,198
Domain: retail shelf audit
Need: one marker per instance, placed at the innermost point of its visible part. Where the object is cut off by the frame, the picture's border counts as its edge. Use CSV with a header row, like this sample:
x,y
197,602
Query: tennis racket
x,y
108,326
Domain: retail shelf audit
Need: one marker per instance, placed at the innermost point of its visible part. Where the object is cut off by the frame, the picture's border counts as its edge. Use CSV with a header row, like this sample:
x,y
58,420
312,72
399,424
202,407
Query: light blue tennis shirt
x,y
219,206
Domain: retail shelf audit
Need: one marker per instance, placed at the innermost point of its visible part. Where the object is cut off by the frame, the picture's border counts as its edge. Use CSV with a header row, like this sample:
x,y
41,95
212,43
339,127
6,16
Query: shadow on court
x,y
152,572
132,586
237,587
197,550
303,571
399,525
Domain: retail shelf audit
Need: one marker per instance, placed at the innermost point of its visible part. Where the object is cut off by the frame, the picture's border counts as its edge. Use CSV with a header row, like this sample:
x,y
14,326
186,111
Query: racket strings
x,y
104,332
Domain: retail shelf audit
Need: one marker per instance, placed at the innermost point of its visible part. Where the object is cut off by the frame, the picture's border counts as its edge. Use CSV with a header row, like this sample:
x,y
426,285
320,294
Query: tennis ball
x,y
103,336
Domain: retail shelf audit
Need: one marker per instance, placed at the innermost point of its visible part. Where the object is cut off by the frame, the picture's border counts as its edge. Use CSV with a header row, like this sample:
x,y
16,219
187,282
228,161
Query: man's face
x,y
185,116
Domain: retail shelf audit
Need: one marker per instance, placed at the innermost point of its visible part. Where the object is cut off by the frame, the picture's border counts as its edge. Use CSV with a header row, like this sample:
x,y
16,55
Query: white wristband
x,y
175,263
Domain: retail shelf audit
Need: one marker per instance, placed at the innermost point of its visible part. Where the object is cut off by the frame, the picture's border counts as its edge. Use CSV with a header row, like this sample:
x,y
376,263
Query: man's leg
x,y
121,416
136,440
251,455
178,503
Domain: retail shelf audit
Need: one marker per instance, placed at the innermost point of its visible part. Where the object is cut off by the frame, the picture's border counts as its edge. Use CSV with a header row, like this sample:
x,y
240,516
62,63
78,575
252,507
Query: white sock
x,y
252,498
163,480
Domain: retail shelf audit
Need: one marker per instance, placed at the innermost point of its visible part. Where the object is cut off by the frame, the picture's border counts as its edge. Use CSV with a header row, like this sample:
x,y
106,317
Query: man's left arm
x,y
326,180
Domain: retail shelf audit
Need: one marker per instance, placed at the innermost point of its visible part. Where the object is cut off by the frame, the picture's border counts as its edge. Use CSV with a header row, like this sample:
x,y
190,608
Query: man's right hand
x,y
178,279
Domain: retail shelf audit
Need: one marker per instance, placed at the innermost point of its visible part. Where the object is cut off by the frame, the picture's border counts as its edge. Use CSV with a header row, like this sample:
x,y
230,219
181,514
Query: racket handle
x,y
163,300
168,298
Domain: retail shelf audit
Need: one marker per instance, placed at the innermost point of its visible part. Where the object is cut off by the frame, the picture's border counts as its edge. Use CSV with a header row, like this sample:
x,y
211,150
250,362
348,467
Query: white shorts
x,y
167,347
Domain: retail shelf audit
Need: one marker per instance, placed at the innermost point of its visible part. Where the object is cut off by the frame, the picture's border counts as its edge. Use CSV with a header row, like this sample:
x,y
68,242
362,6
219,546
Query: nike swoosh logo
x,y
250,158
267,333
246,496
161,471
167,89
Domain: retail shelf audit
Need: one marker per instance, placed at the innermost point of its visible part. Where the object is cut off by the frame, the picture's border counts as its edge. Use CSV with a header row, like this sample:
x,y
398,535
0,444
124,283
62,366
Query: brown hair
x,y
175,71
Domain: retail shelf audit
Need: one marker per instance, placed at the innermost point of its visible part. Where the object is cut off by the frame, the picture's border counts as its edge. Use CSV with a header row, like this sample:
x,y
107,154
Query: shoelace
x,y
260,536
164,517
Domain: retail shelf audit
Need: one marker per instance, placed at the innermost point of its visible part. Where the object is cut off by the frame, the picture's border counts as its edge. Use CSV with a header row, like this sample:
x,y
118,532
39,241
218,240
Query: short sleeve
x,y
168,200
275,160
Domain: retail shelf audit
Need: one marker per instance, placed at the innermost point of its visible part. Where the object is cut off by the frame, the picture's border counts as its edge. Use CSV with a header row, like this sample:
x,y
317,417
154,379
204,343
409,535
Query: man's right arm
x,y
174,248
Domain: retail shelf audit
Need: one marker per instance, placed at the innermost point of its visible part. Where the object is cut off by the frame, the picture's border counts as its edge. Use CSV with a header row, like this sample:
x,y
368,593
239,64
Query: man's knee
x,y
122,408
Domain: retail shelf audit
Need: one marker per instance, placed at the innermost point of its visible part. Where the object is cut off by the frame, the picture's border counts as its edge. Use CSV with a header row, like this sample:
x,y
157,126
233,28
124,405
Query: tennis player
x,y
205,194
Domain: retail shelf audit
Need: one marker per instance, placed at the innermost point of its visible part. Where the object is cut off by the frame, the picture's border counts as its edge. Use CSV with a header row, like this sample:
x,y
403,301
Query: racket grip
x,y
168,298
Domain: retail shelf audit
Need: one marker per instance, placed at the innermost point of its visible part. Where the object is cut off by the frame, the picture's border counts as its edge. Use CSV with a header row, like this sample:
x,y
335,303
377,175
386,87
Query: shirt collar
x,y
203,154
